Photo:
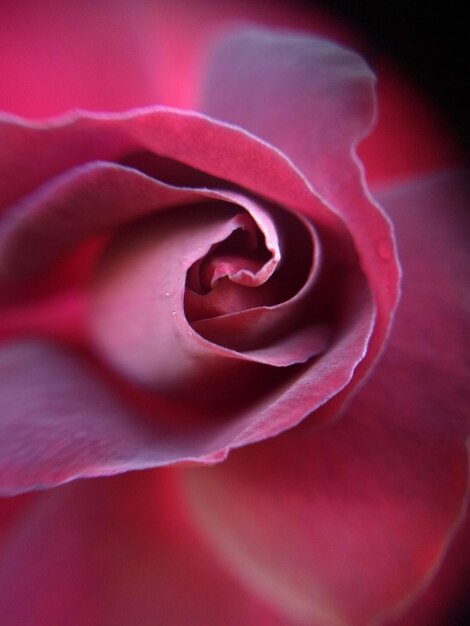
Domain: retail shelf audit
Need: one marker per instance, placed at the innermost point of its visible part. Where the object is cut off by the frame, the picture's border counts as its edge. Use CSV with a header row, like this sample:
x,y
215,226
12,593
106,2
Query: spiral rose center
x,y
201,287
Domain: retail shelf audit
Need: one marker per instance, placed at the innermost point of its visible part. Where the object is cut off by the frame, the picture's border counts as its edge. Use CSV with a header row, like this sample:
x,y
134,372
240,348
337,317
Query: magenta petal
x,y
445,600
347,523
116,552
60,55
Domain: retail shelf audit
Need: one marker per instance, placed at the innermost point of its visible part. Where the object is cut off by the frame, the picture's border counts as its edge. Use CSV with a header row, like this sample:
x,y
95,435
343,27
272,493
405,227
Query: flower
x,y
177,285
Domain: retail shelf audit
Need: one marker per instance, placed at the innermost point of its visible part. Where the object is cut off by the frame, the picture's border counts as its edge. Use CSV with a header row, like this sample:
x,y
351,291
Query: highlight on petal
x,y
348,524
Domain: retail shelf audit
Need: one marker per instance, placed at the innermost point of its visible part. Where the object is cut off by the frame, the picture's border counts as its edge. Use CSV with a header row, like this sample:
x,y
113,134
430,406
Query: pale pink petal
x,y
321,105
347,523
116,552
59,420
183,149
140,320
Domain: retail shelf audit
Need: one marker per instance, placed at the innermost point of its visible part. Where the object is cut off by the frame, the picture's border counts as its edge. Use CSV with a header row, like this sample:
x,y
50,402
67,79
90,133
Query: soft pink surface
x,y
354,516
116,552
241,367
338,522
343,524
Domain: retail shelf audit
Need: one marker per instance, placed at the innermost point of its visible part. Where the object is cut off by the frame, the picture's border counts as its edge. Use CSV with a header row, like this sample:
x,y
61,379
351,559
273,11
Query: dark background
x,y
429,42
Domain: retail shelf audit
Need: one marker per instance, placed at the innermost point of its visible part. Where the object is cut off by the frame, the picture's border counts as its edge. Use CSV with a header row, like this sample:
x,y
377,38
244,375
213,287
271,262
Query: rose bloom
x,y
201,279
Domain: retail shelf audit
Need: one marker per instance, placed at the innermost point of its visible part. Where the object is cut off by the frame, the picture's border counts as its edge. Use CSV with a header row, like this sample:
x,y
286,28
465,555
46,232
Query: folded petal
x,y
139,318
69,179
63,417
346,524
60,418
178,147
116,551
84,202
322,105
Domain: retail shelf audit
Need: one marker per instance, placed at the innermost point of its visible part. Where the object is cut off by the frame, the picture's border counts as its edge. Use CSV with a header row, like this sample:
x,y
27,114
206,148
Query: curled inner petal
x,y
199,290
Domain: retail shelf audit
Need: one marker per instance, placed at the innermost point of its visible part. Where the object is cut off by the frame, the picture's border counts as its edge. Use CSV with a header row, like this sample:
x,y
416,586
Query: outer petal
x,y
61,54
115,552
32,153
345,524
322,105
60,420
445,600
68,53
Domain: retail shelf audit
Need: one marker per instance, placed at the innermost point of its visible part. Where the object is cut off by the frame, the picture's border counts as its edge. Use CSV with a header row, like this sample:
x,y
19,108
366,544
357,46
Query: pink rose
x,y
178,283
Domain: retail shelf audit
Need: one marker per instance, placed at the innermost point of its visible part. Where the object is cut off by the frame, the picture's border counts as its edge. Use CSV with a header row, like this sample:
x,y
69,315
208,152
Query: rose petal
x,y
202,150
56,161
116,552
329,527
59,420
254,317
445,600
324,105
36,449
59,317
186,145
62,54
84,202
346,523
88,200
139,319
